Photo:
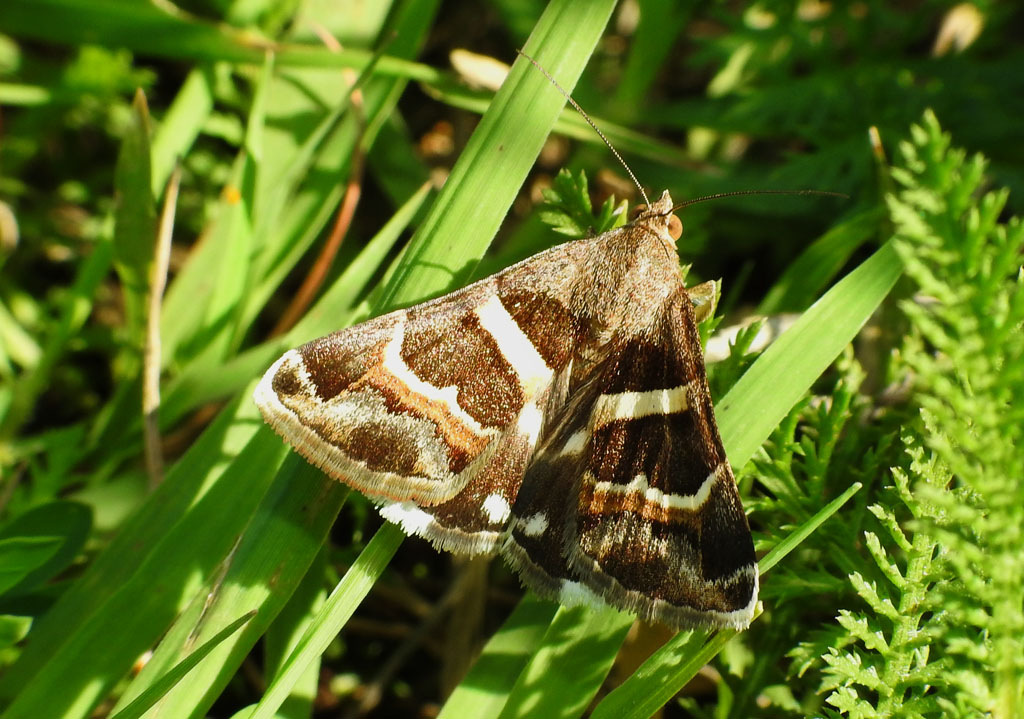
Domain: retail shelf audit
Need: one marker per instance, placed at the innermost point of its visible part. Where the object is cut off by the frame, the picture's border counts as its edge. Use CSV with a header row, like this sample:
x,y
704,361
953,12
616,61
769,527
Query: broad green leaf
x,y
68,522
20,556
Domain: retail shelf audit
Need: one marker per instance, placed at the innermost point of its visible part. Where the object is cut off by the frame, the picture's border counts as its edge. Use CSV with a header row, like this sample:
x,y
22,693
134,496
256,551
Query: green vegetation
x,y
877,442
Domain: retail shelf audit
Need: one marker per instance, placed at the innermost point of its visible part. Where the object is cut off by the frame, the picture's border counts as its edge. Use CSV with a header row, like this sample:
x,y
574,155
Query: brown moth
x,y
556,413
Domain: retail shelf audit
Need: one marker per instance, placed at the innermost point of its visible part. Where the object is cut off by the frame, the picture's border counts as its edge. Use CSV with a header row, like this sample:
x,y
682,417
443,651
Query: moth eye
x,y
675,227
637,211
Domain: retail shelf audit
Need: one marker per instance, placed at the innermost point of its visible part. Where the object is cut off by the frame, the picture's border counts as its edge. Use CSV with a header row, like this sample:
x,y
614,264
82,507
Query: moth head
x,y
658,216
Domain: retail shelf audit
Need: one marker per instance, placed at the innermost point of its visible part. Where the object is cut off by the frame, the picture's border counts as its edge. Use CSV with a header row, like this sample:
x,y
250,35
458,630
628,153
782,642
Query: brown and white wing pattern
x,y
631,499
532,340
433,412
557,410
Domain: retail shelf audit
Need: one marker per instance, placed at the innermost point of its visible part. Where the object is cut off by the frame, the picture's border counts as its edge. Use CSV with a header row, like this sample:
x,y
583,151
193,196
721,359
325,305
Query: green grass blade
x,y
280,540
148,698
563,676
141,26
793,539
656,33
135,226
571,124
288,628
786,370
202,301
816,266
359,579
662,676
284,534
186,483
195,337
145,578
482,693
181,125
497,158
150,29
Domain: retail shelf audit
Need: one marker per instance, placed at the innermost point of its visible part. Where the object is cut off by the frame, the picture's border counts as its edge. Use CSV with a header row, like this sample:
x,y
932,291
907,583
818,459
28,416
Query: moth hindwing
x,y
557,412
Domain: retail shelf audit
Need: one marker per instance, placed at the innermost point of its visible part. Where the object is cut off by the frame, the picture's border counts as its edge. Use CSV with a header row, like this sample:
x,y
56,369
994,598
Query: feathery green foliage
x,y
568,210
943,634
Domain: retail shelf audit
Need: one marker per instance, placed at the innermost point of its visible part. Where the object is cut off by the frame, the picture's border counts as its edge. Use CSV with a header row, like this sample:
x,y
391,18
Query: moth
x,y
556,413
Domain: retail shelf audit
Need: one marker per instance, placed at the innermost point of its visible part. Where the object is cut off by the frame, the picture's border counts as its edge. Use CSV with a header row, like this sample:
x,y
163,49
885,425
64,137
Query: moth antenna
x,y
737,193
590,122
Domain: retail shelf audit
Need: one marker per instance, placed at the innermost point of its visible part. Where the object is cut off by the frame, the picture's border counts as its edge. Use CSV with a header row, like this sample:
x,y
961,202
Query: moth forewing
x,y
630,498
557,411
